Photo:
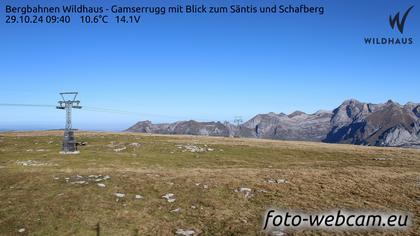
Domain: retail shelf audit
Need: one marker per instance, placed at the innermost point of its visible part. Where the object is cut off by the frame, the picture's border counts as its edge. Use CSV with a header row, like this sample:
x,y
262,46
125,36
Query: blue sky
x,y
206,67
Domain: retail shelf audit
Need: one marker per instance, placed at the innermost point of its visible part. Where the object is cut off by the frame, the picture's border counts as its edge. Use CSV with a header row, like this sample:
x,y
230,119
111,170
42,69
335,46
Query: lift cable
x,y
97,109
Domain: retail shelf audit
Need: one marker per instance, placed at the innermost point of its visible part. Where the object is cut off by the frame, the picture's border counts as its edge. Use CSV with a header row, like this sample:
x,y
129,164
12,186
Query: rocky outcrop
x,y
388,124
353,122
416,111
399,137
296,126
183,127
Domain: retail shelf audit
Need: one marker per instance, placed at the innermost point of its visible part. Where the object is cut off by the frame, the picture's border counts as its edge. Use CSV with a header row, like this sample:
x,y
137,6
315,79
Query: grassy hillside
x,y
51,194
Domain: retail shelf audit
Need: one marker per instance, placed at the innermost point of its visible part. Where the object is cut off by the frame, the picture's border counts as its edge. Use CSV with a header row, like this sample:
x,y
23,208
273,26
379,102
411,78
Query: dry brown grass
x,y
321,177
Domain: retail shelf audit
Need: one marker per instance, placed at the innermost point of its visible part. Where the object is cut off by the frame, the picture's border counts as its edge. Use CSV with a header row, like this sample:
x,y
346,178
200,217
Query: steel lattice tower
x,y
238,120
69,142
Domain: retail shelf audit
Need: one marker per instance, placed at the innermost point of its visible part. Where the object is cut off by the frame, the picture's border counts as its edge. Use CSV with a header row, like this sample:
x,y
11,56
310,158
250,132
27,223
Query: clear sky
x,y
206,67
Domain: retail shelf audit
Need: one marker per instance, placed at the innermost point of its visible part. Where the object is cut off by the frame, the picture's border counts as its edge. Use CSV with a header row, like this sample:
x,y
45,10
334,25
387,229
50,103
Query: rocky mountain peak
x,y
296,113
388,124
351,101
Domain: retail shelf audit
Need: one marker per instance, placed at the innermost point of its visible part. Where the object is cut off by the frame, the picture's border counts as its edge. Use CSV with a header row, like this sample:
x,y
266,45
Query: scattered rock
x,y
171,200
282,181
170,197
81,143
277,181
120,149
34,163
247,191
176,210
185,232
80,179
191,148
135,144
277,233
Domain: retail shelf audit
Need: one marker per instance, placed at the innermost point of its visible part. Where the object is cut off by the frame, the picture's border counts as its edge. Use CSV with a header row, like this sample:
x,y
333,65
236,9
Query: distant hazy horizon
x,y
101,126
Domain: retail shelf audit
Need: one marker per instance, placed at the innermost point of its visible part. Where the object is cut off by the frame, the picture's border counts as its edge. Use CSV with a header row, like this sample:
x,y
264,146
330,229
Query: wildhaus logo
x,y
394,20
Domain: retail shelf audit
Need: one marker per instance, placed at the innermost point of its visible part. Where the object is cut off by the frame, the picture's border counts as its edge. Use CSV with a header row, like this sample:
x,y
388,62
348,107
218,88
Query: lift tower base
x,y
69,143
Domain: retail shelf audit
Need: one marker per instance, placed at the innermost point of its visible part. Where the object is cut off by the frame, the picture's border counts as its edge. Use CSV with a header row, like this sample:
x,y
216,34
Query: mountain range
x,y
353,122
